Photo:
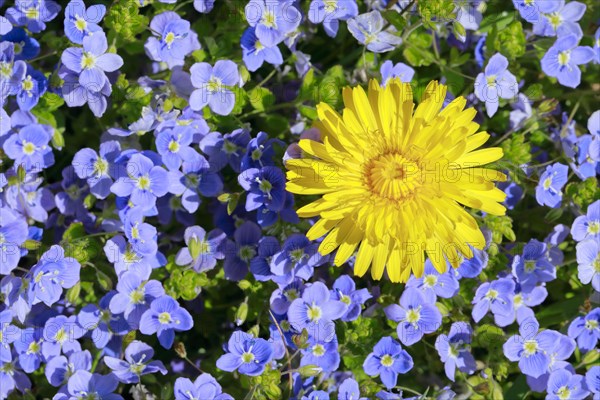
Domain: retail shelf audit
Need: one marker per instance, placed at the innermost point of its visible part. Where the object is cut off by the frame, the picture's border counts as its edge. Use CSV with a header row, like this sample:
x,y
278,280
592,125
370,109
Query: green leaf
x,y
583,193
394,18
261,98
489,336
104,280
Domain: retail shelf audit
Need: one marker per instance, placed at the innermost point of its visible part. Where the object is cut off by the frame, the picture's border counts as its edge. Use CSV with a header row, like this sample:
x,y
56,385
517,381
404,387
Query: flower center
x,y
547,183
518,300
529,266
169,39
137,368
28,148
101,166
555,20
345,299
214,84
318,350
61,336
453,351
258,46
387,360
392,176
33,348
591,324
5,69
80,23
247,253
530,347
430,280
130,257
164,318
330,6
268,20
297,255
314,313
143,182
198,247
32,13
247,357
596,262
291,294
88,60
265,186
491,80
564,393
174,146
137,296
594,227
27,84
413,315
564,57
229,147
491,294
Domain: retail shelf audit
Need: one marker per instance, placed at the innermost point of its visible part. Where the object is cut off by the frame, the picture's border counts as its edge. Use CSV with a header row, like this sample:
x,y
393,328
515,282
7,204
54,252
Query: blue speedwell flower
x,y
563,59
92,62
246,354
495,83
204,387
330,13
531,348
81,21
454,349
254,53
93,386
533,266
25,47
415,315
53,273
272,20
588,258
564,384
549,189
587,226
144,182
214,86
368,30
164,317
400,70
387,360
586,330
203,250
134,296
559,19
344,290
32,14
30,148
173,39
137,362
495,296
321,353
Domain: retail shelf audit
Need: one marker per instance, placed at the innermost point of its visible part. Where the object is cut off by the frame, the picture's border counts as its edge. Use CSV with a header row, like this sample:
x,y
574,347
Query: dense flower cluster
x,y
201,228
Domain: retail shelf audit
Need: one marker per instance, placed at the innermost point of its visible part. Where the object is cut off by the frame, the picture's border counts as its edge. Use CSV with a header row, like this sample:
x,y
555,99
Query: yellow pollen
x,y
32,13
530,347
564,57
318,350
330,6
594,227
314,313
80,23
27,84
413,315
169,39
28,148
247,357
268,20
88,60
174,146
387,360
164,318
143,182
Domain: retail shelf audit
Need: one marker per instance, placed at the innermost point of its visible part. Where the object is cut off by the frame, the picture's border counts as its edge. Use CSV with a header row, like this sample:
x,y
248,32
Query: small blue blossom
x,y
33,14
84,384
204,387
92,62
97,168
433,284
344,290
588,258
330,13
388,360
25,46
316,311
164,317
29,148
144,182
61,335
349,390
562,350
272,20
324,354
563,384
203,250
416,316
246,354
561,20
214,86
81,21
368,30
173,40
563,59
586,330
53,273
134,296
225,149
532,11
28,85
400,70
241,251
587,226
298,258
531,348
494,296
592,378
454,349
13,233
265,187
254,53
137,362
522,302
549,189
174,145
495,83
60,368
533,266
196,178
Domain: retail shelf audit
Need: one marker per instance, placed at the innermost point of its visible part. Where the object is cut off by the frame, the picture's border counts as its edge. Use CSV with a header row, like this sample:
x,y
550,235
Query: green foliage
x,y
583,193
124,21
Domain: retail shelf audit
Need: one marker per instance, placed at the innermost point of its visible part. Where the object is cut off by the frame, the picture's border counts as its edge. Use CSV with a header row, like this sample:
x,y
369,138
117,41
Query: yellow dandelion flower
x,y
394,182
